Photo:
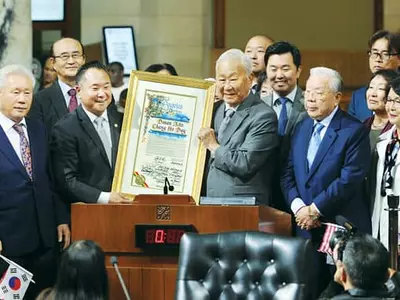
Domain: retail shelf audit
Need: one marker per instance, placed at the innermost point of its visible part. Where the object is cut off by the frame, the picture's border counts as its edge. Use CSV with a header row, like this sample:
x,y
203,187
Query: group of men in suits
x,y
322,151
64,151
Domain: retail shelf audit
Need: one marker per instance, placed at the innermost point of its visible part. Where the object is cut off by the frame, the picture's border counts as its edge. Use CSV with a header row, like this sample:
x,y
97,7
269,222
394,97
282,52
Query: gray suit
x,y
244,163
297,114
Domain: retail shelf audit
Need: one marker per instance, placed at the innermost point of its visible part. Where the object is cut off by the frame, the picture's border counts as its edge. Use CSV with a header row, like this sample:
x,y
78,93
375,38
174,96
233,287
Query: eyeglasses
x,y
384,56
317,95
395,101
65,56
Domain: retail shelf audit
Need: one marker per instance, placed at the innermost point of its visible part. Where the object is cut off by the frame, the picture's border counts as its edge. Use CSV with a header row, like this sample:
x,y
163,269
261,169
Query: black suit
x,y
49,106
80,162
29,210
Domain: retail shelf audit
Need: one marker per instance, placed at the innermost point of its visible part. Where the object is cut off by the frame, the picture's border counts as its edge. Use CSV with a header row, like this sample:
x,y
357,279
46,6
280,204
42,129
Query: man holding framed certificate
x,y
243,141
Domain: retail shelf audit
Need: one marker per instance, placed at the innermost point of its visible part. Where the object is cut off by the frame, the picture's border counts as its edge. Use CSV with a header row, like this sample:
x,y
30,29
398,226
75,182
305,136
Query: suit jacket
x,y
297,114
380,216
243,164
335,182
29,210
358,105
80,162
49,106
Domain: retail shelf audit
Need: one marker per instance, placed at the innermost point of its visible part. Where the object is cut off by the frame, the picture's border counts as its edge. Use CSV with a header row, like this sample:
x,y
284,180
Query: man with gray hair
x,y
243,138
31,215
328,161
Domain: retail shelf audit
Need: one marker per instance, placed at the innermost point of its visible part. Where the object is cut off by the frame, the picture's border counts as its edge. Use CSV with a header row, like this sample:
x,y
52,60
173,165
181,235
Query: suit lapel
x,y
7,149
115,132
219,116
237,119
304,143
297,108
58,100
91,132
329,137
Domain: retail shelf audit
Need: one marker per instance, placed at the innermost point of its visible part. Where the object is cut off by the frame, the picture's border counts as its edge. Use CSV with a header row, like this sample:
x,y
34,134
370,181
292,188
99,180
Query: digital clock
x,y
160,235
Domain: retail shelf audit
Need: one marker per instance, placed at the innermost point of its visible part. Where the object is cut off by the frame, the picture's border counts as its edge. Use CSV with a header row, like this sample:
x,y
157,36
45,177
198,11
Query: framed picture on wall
x,y
119,45
163,116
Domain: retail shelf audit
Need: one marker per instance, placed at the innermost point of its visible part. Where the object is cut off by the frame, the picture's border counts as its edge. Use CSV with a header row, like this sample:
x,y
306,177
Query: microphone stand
x,y
393,204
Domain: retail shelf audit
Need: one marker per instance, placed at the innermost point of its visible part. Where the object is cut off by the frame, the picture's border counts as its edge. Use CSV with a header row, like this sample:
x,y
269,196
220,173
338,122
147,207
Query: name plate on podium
x,y
228,201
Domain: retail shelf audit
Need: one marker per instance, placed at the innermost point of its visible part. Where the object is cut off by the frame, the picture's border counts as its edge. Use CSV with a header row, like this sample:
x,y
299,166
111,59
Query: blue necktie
x,y
315,141
283,117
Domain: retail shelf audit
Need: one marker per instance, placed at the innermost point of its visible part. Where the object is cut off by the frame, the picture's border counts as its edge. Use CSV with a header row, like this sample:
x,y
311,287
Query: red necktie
x,y
25,150
73,102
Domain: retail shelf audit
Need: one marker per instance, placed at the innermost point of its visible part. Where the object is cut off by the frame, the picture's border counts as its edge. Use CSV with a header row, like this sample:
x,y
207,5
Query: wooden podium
x,y
151,274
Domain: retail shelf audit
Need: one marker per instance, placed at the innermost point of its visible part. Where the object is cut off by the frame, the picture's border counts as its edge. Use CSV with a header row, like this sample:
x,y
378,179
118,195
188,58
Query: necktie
x,y
99,122
73,102
228,116
283,117
25,150
314,144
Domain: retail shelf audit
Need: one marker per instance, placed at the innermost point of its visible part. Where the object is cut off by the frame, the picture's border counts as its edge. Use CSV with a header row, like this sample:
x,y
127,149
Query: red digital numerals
x,y
164,236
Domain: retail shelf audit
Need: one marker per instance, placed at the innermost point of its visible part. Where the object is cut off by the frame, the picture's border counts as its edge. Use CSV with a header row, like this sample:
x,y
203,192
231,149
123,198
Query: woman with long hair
x,y
82,274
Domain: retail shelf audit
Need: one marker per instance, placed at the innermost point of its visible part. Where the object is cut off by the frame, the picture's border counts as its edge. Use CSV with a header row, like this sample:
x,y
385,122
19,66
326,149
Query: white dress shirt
x,y
104,197
12,135
298,203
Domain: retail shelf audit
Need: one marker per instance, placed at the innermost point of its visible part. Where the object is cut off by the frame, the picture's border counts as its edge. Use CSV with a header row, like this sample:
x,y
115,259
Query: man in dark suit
x,y
31,215
243,142
328,161
283,65
84,143
52,103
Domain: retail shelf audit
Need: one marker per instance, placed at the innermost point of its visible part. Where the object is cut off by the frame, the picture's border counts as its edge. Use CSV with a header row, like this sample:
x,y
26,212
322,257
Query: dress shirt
x,y
12,135
277,106
298,203
104,197
65,89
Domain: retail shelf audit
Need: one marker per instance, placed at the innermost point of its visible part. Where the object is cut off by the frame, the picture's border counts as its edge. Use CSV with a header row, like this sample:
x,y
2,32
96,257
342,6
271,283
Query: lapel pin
x,y
116,125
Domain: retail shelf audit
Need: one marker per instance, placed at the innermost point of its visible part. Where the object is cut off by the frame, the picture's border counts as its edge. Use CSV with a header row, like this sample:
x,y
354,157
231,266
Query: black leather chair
x,y
245,265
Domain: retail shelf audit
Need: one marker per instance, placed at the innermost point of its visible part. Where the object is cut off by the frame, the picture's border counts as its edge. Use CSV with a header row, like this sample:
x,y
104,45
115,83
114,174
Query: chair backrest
x,y
245,265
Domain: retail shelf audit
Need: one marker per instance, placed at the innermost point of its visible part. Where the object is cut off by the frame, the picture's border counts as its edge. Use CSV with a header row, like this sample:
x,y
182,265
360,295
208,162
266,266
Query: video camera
x,y
341,237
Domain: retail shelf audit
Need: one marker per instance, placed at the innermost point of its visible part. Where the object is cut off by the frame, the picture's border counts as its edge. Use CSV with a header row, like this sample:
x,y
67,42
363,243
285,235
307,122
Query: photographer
x,y
362,272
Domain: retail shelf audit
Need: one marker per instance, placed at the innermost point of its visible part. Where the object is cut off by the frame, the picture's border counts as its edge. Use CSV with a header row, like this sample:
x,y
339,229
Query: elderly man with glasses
x,y
52,103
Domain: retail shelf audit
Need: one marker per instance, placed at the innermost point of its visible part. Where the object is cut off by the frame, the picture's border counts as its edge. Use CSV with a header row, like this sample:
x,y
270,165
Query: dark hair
x,y
158,67
388,75
123,94
89,65
260,80
392,38
52,45
395,85
117,64
282,48
366,262
82,273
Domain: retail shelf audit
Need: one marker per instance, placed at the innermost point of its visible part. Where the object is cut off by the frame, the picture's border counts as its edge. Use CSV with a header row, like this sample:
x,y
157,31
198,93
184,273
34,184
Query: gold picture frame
x,y
163,115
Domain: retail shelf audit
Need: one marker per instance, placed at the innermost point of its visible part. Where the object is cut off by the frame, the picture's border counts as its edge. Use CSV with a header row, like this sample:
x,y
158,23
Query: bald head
x,y
255,50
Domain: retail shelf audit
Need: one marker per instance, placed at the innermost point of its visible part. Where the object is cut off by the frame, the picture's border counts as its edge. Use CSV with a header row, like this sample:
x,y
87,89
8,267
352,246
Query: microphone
x,y
114,262
167,186
342,221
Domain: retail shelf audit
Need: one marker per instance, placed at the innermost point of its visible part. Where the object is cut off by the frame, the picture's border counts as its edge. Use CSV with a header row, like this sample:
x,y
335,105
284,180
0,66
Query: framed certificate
x,y
163,116
119,45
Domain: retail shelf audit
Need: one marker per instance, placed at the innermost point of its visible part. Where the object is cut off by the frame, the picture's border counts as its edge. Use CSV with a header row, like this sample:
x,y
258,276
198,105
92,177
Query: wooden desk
x,y
152,275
